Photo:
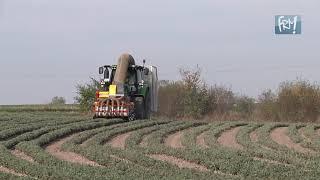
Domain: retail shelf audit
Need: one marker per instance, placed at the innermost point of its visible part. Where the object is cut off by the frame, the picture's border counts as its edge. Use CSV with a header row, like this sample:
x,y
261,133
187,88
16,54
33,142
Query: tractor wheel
x,y
131,116
139,108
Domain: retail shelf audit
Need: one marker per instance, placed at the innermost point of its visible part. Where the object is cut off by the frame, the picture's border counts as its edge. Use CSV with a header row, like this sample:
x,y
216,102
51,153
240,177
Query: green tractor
x,y
127,91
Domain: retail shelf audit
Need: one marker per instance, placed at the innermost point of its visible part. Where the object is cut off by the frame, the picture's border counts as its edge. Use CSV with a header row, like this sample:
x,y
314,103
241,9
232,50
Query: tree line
x,y
191,97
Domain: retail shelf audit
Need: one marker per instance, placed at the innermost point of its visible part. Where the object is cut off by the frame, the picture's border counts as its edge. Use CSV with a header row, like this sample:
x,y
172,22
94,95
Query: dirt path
x,y
86,142
279,136
22,155
228,138
179,162
254,136
11,171
120,140
174,140
55,150
200,140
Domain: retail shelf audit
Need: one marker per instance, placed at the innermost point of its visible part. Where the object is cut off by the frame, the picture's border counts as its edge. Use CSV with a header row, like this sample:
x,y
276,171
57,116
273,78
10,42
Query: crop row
x,y
149,149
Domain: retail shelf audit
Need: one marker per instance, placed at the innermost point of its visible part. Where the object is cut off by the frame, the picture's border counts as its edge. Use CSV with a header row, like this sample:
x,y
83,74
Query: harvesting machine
x,y
128,91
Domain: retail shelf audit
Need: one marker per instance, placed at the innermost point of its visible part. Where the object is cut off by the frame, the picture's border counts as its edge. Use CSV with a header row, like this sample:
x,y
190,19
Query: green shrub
x,y
86,94
194,96
191,97
58,100
244,105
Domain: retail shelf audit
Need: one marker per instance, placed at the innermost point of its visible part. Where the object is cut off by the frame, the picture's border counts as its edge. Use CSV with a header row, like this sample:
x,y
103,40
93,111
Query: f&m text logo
x,y
288,24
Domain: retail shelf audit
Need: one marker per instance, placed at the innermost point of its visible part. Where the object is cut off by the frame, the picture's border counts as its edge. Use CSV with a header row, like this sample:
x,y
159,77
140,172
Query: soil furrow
x,y
11,171
120,140
174,140
179,162
55,150
228,138
200,140
254,136
22,155
279,136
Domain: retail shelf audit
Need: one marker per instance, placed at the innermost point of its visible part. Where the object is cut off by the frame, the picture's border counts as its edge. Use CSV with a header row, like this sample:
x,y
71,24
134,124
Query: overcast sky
x,y
48,46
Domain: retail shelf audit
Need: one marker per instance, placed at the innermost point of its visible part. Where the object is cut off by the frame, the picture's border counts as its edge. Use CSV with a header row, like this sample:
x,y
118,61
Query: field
x,y
68,145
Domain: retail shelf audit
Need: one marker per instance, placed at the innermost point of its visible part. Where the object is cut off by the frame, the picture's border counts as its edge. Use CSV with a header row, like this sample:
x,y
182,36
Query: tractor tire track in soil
x,y
120,140
200,140
228,138
11,171
55,149
279,136
178,162
22,155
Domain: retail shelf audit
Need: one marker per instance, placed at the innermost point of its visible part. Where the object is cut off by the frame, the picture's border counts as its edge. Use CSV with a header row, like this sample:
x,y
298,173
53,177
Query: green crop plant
x,y
31,132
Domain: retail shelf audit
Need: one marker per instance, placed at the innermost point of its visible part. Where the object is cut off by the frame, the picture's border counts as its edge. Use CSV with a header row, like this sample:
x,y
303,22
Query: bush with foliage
x,y
296,101
299,100
244,105
191,97
86,94
194,95
58,100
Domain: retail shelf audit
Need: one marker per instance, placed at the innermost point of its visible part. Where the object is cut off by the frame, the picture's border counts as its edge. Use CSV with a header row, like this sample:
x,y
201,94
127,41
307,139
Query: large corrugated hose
x,y
124,61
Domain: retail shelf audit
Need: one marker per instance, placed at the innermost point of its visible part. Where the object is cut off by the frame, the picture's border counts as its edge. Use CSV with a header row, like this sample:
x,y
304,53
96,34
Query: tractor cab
x,y
136,78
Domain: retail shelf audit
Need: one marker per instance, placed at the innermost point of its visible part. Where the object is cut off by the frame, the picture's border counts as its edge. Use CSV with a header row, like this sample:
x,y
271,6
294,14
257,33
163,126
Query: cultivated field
x,y
67,145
